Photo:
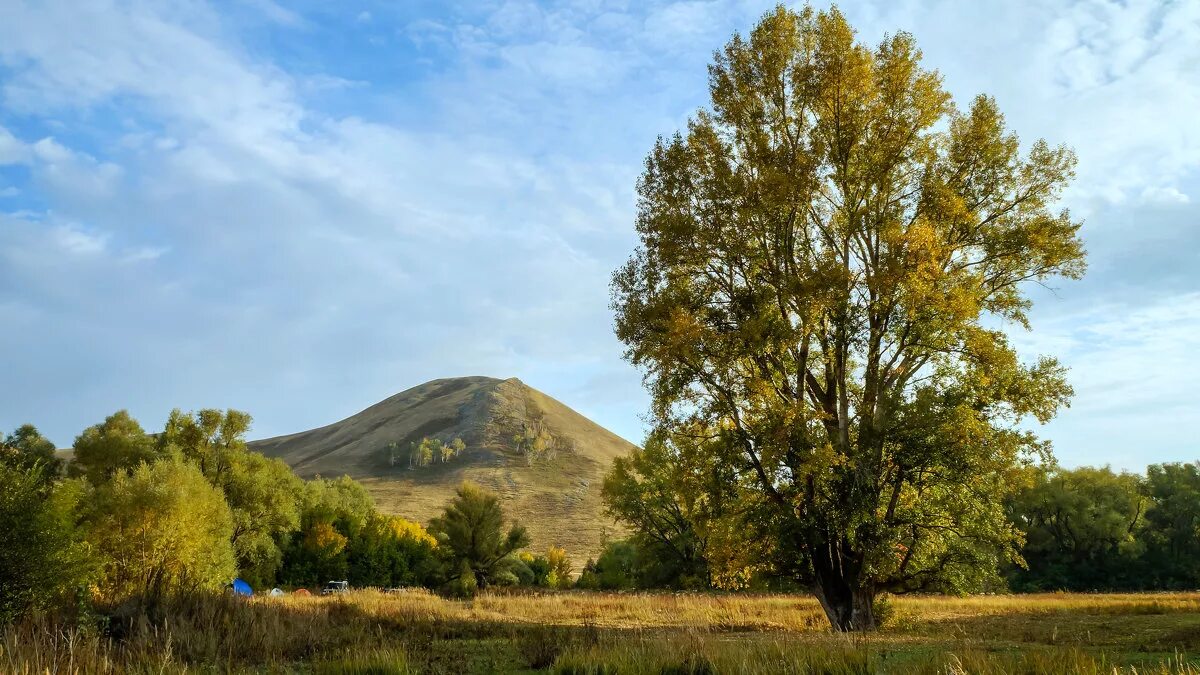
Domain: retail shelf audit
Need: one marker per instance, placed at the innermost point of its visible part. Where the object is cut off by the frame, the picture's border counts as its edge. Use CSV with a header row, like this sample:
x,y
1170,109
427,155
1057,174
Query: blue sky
x,y
298,209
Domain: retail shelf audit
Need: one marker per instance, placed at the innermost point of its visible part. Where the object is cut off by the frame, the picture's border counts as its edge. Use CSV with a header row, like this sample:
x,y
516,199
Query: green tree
x,y
471,532
26,448
42,556
161,528
822,257
263,493
464,584
617,566
343,501
119,444
1171,532
212,439
664,492
1080,530
333,515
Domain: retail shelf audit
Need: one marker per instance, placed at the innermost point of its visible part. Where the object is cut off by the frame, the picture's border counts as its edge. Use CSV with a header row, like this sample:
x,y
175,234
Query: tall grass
x,y
704,656
577,632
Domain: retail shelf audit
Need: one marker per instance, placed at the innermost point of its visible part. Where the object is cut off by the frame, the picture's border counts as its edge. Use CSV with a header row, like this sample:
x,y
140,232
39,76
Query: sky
x,y
300,208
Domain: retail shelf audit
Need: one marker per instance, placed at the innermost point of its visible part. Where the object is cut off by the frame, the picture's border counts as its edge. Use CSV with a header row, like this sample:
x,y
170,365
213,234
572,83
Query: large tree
x,y
263,493
160,528
827,258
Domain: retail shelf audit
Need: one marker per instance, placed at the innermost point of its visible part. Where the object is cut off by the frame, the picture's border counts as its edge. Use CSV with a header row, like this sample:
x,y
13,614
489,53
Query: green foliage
x,y
1080,530
666,493
117,445
42,556
26,448
262,493
822,256
619,567
549,570
1171,529
158,529
1093,529
334,513
464,584
470,532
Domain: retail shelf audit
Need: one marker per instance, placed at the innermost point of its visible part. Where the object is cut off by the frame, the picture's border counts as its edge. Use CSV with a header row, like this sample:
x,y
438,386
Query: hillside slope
x,y
545,460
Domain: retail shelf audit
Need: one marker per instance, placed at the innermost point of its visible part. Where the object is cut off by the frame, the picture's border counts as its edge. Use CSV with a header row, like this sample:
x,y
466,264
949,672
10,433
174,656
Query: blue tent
x,y
240,587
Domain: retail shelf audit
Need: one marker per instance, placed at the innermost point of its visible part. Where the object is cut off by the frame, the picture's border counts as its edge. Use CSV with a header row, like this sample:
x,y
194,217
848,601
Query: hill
x,y
545,460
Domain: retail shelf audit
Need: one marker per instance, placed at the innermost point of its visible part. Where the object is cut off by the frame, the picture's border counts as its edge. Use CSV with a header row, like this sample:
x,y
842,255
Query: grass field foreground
x,y
579,632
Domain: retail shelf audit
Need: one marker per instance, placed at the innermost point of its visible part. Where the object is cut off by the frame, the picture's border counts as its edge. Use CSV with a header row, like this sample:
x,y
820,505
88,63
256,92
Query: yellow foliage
x,y
324,538
560,567
406,529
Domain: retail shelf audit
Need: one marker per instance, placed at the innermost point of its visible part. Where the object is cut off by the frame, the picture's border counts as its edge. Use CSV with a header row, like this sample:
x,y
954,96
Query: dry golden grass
x,y
577,632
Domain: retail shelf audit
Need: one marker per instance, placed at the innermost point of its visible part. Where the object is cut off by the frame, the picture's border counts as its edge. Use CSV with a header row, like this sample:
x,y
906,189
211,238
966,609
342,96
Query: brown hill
x,y
544,459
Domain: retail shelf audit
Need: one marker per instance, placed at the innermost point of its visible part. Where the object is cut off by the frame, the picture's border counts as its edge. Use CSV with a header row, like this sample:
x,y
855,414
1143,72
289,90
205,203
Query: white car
x,y
335,587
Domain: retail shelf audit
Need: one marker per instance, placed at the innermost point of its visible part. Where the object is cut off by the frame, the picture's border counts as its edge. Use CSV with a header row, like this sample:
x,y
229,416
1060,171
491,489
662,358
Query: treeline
x,y
1085,529
135,515
1095,529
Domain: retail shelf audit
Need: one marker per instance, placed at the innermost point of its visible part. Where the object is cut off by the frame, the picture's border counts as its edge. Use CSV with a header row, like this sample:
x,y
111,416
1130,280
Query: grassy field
x,y
575,632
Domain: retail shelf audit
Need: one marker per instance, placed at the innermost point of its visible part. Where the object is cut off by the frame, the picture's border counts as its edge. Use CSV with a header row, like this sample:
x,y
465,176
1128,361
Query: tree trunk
x,y
849,608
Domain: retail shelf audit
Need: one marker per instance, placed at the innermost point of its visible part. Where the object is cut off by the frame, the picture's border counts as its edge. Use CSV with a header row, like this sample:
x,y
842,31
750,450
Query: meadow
x,y
588,632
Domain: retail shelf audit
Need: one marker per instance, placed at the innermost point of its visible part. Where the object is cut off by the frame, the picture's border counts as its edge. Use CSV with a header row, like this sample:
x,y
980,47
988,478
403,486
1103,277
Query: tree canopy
x,y
262,493
825,256
161,528
26,448
117,444
1080,530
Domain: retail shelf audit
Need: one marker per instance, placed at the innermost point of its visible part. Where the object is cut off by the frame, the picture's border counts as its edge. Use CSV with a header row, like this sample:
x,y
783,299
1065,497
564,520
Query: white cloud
x,y
52,152
1134,372
144,254
12,150
1164,195
77,241
343,258
1115,80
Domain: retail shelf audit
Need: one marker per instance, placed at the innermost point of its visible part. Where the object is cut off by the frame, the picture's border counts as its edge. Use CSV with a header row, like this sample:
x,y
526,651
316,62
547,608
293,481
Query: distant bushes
x,y
147,517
